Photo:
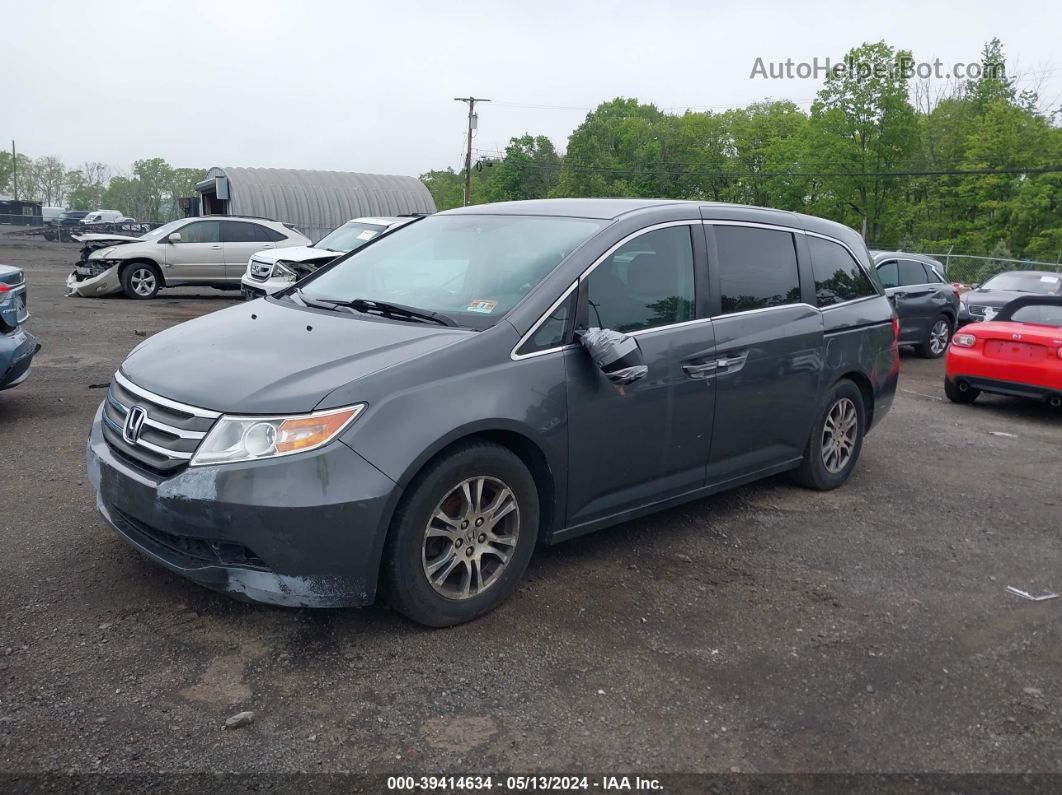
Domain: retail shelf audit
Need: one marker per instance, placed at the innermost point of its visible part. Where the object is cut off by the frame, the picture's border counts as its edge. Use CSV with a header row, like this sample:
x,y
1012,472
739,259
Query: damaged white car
x,y
208,251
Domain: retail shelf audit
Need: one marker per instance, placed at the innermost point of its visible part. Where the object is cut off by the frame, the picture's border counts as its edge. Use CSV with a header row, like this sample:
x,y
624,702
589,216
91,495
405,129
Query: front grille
x,y
170,431
259,270
186,550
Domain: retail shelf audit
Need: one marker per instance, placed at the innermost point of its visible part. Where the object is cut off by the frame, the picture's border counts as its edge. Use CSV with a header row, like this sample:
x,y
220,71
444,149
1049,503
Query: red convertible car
x,y
1019,352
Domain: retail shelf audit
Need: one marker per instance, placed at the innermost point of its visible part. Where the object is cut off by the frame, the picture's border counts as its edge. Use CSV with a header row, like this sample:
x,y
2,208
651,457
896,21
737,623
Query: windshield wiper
x,y
367,305
398,310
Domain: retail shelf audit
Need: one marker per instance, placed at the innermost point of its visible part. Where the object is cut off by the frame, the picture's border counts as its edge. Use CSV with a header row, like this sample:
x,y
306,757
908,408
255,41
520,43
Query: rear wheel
x,y
937,338
462,537
959,392
836,440
141,280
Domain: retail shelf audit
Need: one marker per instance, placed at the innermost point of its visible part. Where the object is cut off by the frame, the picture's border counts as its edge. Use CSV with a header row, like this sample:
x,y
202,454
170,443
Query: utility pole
x,y
468,151
14,170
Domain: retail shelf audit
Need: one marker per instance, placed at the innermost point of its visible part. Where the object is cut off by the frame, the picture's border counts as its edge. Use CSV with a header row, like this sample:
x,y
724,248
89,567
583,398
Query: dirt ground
x,y
766,629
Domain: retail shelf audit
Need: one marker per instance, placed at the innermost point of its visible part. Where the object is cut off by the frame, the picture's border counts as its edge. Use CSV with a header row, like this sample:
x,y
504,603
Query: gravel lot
x,y
766,629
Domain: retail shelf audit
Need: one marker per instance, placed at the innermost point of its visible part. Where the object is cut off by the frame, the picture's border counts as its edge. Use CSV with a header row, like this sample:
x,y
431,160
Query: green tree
x,y
530,169
447,188
863,127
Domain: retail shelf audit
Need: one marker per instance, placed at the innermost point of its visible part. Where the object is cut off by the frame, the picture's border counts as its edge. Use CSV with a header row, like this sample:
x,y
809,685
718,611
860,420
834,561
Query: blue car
x,y
17,346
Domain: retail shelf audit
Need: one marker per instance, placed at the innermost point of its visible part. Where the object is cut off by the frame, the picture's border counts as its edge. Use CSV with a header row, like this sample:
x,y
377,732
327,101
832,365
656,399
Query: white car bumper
x,y
253,288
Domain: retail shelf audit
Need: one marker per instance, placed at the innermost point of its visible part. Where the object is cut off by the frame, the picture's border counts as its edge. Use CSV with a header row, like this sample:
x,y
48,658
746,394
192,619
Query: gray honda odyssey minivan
x,y
416,416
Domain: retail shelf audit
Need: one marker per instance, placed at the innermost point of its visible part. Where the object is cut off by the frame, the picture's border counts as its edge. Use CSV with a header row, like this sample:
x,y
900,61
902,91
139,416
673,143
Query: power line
x,y
817,174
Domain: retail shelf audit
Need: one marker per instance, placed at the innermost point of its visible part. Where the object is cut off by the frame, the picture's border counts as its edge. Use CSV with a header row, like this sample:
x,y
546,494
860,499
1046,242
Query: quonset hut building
x,y
315,202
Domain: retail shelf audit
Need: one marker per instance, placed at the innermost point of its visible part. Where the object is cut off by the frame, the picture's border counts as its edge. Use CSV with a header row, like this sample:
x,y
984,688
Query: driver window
x,y
647,282
201,232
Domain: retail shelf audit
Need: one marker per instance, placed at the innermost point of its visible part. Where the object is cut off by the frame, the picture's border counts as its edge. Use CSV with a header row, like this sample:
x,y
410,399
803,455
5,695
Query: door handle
x,y
216,245
702,370
732,361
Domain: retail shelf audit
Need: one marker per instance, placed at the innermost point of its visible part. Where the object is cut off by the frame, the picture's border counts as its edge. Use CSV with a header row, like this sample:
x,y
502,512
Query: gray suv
x,y
926,303
420,413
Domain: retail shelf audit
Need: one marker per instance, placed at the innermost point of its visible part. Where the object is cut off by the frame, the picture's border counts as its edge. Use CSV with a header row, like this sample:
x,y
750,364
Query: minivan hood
x,y
267,357
295,254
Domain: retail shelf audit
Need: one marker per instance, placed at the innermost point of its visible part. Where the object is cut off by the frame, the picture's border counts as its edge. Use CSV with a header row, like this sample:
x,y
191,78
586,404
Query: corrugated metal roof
x,y
319,201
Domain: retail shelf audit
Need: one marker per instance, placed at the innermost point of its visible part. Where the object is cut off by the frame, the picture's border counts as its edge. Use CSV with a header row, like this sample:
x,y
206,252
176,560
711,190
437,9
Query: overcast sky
x,y
369,86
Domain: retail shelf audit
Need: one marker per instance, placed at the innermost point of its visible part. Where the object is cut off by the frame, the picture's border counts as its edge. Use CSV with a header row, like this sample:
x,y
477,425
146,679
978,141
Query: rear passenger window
x,y
912,272
240,232
648,282
838,277
272,235
757,268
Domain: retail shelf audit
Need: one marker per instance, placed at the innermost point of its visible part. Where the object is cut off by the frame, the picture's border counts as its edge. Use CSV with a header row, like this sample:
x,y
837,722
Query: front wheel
x,y
936,340
836,440
462,536
141,280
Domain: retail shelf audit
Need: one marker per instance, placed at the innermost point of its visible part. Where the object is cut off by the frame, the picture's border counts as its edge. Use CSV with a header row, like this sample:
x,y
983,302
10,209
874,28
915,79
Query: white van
x,y
104,217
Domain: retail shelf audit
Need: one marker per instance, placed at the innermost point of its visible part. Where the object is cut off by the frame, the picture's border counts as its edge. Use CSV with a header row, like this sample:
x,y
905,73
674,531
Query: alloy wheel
x,y
470,537
938,337
142,281
839,435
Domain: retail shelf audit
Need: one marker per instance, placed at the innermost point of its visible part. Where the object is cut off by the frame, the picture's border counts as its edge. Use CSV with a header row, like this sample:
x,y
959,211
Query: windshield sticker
x,y
1049,279
368,234
483,305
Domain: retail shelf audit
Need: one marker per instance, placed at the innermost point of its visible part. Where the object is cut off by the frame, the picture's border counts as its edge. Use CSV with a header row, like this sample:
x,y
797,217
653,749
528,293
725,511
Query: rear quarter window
x,y
838,277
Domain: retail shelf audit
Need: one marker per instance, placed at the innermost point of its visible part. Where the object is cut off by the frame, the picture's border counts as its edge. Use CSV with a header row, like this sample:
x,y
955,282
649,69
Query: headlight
x,y
235,439
964,340
282,271
102,253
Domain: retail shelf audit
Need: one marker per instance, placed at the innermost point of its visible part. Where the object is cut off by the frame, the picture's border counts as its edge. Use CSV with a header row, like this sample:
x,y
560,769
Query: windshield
x,y
165,229
349,236
473,268
1043,283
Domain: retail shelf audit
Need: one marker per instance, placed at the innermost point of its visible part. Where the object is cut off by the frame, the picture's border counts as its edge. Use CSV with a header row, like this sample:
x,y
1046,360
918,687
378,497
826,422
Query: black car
x,y
985,300
418,414
926,303
68,222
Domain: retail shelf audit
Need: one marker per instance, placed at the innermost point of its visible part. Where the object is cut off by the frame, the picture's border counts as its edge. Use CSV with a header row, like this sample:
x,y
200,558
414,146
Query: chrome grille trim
x,y
161,426
195,411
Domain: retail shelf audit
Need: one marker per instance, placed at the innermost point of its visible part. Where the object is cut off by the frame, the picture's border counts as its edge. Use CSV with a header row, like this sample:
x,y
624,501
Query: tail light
x,y
964,340
895,327
956,288
1059,351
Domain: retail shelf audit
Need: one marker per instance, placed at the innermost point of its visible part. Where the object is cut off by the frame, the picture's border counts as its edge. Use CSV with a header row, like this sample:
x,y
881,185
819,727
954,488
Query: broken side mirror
x,y
616,354
175,237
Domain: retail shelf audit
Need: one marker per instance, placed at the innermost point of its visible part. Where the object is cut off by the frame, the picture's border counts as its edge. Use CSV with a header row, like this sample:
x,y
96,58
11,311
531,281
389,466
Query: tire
x,y
937,337
456,552
141,280
956,395
844,401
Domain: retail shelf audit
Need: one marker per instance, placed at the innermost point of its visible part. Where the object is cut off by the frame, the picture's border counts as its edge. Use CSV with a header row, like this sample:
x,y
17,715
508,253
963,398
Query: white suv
x,y
268,272
211,251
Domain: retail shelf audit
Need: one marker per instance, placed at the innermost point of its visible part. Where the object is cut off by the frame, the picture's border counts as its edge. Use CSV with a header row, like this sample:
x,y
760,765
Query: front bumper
x,y
300,531
106,283
252,288
17,350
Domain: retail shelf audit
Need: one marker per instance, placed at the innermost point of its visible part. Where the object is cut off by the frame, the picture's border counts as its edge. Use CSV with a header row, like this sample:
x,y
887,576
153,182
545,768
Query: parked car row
x,y
209,251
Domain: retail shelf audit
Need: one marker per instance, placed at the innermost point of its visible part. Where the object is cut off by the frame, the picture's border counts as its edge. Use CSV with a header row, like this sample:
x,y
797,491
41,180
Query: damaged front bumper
x,y
304,531
94,282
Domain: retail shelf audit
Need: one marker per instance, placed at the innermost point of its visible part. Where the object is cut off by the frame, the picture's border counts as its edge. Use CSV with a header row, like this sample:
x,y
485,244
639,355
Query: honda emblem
x,y
134,424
